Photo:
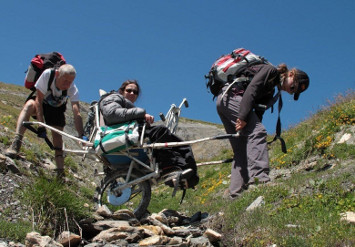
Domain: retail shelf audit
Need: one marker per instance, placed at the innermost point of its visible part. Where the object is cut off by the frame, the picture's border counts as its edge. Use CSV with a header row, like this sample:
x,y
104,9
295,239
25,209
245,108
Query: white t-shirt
x,y
54,97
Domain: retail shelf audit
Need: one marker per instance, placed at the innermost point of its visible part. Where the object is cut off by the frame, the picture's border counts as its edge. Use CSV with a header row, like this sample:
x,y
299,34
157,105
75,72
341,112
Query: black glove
x,y
41,132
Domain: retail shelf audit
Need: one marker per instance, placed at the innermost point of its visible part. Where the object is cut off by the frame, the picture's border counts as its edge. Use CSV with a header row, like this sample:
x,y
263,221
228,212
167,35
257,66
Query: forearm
x,y
78,121
39,109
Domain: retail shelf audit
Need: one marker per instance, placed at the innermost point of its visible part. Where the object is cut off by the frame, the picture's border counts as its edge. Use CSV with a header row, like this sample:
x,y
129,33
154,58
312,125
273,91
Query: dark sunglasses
x,y
131,91
294,87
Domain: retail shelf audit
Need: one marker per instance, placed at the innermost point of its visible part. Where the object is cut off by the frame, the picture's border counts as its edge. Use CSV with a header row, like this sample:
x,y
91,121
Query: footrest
x,y
178,179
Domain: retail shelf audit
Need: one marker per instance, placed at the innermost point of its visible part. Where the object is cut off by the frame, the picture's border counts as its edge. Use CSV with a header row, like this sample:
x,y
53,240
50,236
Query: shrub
x,y
54,205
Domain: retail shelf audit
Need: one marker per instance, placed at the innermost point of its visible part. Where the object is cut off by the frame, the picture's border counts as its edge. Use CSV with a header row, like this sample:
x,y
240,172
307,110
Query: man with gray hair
x,y
53,88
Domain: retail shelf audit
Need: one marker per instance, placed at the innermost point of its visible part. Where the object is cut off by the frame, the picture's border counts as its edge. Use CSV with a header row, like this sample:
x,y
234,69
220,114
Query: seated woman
x,y
118,107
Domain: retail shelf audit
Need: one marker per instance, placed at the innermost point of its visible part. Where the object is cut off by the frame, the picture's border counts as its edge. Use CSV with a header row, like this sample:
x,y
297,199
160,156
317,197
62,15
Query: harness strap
x,y
50,81
102,148
102,134
31,94
126,132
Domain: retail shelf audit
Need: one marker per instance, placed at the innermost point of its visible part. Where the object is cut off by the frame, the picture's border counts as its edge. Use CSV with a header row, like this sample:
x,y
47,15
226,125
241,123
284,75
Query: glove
x,y
85,138
41,132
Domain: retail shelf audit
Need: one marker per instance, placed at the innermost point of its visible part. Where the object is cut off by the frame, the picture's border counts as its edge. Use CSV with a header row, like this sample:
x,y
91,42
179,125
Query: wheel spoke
x,y
139,194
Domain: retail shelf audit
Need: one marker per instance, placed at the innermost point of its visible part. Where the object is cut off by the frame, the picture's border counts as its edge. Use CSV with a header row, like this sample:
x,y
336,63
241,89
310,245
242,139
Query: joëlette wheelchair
x,y
128,174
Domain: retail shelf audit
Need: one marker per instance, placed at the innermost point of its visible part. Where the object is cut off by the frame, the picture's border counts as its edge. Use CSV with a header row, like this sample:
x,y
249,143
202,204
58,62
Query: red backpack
x,y
40,63
228,67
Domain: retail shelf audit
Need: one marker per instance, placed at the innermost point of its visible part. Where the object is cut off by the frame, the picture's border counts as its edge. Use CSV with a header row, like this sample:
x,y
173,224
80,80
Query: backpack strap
x,y
30,96
278,125
50,81
237,80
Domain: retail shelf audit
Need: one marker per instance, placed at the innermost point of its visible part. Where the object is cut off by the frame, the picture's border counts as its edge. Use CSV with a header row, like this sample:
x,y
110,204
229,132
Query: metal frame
x,y
171,122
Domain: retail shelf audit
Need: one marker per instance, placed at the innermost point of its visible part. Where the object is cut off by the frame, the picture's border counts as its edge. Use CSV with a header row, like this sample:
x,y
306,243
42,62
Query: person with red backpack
x,y
237,107
53,88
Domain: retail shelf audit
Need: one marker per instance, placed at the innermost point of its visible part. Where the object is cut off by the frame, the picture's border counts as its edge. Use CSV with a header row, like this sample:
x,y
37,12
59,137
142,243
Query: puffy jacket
x,y
117,109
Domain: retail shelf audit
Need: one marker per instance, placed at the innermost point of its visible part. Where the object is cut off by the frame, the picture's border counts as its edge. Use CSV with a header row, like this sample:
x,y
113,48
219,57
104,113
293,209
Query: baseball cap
x,y
302,80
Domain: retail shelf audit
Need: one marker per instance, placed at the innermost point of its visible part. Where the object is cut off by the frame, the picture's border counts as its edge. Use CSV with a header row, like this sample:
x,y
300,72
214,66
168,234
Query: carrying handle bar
x,y
28,125
184,143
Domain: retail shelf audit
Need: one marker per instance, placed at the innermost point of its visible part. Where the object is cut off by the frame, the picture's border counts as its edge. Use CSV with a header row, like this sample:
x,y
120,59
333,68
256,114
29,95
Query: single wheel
x,y
135,198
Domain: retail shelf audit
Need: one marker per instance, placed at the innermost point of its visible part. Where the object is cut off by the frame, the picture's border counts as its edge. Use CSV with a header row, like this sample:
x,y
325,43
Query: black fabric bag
x,y
172,158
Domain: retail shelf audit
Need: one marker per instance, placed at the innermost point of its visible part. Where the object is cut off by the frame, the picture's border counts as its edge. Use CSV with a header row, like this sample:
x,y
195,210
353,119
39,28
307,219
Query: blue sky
x,y
168,46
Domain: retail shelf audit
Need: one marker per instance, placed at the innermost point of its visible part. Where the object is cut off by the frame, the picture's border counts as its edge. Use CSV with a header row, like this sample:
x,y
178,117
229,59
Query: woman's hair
x,y
301,78
282,69
299,74
125,83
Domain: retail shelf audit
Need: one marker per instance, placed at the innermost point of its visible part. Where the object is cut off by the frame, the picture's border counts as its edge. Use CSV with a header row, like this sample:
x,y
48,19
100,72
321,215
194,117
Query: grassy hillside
x,y
312,185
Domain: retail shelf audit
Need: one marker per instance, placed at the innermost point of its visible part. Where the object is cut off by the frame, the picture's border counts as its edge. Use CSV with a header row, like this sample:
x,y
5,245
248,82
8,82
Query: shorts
x,y
54,116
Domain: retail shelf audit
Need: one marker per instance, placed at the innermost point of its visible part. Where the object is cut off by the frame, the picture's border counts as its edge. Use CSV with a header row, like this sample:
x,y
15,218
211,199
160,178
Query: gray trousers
x,y
251,158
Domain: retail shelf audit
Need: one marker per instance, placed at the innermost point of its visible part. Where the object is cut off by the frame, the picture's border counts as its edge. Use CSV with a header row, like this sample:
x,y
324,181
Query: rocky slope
x,y
12,175
121,228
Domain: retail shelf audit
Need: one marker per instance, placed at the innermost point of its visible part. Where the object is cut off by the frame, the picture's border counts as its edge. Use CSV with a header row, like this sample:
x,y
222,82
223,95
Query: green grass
x,y
300,210
54,204
303,210
316,135
14,231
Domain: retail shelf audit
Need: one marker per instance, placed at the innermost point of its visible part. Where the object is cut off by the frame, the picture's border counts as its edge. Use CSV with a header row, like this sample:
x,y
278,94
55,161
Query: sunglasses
x,y
131,91
294,87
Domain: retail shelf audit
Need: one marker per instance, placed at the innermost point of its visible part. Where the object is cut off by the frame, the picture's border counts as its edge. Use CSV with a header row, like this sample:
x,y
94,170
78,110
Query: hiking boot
x,y
253,184
13,151
228,196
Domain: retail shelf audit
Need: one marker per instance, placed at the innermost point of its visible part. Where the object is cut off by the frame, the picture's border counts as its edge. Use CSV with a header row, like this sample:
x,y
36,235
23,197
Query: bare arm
x,y
78,121
39,106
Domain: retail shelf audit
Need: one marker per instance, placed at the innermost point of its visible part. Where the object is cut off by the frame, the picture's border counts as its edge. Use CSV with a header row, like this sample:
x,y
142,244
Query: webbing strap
x,y
102,147
50,81
31,94
278,126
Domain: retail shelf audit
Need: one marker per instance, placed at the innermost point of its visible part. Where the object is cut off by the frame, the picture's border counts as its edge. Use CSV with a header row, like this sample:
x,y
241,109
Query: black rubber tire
x,y
139,199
